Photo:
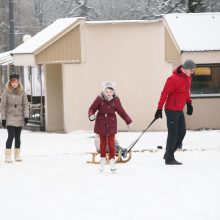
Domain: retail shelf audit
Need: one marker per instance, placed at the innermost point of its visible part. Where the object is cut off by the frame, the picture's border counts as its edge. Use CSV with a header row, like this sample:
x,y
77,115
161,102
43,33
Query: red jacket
x,y
176,91
106,121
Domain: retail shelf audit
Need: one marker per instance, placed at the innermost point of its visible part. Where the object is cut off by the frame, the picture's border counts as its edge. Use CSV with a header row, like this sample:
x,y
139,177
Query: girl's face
x,y
108,93
14,83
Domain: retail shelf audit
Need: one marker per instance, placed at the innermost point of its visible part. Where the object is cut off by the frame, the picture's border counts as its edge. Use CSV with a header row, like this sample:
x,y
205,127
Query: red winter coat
x,y
176,92
106,121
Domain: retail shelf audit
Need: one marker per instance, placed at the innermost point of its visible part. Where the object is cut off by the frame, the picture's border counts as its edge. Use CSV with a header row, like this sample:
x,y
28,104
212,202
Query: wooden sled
x,y
118,158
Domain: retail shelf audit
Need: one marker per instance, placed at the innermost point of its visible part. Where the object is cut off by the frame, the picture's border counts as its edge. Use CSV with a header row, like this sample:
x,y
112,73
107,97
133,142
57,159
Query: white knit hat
x,y
108,84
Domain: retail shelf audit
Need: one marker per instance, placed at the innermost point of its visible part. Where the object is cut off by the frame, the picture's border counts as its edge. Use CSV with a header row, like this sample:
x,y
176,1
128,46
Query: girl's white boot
x,y
102,164
112,165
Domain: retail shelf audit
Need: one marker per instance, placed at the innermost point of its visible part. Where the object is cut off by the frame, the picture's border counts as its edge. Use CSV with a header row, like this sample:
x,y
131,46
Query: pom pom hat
x,y
108,85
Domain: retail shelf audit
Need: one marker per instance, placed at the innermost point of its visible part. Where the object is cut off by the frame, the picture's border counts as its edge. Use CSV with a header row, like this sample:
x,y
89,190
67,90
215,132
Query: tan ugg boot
x,y
8,153
17,155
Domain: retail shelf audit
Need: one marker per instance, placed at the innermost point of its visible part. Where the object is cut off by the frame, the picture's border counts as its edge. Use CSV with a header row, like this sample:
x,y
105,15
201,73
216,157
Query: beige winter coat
x,y
14,105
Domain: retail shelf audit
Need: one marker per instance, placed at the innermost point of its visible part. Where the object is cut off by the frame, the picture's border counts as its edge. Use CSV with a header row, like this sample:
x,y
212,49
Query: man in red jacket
x,y
175,94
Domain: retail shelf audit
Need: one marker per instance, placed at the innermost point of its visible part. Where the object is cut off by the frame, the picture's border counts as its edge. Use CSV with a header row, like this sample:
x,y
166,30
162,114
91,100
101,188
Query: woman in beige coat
x,y
14,115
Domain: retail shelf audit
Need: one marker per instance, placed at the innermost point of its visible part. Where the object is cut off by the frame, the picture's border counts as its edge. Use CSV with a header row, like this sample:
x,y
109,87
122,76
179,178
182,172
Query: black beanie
x,y
14,76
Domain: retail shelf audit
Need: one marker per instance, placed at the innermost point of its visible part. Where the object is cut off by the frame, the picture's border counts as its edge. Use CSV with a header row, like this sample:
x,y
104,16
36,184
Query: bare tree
x,y
4,26
203,6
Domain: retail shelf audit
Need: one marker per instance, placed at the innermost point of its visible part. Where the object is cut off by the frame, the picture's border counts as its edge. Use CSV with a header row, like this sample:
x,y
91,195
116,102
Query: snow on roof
x,y
6,58
122,21
44,36
195,31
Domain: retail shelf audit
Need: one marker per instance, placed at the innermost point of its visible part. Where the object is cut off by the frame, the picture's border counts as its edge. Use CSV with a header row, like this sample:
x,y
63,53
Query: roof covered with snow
x,y
195,31
122,21
6,58
44,36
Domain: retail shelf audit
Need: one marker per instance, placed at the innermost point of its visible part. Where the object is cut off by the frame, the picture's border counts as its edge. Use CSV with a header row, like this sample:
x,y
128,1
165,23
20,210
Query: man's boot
x,y
173,162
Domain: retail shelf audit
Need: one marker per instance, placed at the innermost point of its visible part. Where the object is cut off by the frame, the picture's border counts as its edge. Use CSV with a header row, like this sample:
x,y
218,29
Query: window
x,y
206,80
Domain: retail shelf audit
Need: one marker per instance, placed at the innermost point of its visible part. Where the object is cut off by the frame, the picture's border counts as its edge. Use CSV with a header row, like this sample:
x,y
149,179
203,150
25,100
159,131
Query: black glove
x,y
25,121
4,123
158,114
189,108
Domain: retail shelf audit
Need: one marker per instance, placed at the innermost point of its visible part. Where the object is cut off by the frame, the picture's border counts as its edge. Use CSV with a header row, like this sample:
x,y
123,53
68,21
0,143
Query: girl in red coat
x,y
107,103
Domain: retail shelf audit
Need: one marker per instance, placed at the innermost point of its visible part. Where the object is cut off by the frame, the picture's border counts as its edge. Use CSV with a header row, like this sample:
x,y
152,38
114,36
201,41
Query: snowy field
x,y
55,182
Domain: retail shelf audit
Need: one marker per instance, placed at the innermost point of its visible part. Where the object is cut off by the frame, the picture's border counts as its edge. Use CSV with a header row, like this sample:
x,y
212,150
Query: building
x,y
76,56
6,62
197,37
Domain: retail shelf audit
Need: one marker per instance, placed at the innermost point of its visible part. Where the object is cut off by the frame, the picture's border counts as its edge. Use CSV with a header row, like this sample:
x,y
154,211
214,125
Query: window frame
x,y
208,95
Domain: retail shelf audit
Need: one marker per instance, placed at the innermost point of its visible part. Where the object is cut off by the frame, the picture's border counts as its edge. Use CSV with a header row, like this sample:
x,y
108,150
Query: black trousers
x,y
176,132
13,133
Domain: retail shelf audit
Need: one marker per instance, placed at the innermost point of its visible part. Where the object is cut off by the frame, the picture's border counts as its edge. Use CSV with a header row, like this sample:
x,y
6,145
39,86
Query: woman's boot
x,y
8,153
17,155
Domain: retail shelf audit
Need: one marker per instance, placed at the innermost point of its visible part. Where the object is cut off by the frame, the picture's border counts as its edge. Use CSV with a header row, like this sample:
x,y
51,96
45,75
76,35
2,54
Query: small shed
x,y
76,56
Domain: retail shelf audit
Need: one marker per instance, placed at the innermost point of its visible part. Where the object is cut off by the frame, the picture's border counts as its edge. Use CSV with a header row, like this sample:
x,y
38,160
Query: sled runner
x,y
121,155
118,157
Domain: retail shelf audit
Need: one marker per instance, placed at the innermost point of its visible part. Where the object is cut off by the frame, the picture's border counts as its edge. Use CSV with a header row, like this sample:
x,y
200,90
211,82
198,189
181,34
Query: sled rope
x,y
135,142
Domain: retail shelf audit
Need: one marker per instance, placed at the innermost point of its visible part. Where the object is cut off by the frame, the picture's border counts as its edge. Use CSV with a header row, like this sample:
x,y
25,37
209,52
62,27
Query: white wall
x,y
54,97
206,114
132,55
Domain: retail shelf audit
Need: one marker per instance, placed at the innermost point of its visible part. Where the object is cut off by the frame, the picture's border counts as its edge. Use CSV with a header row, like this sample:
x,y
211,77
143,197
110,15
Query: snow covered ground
x,y
55,182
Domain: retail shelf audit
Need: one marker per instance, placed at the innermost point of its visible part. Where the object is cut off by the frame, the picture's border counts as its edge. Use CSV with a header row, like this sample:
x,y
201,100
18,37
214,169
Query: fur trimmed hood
x,y
105,98
19,90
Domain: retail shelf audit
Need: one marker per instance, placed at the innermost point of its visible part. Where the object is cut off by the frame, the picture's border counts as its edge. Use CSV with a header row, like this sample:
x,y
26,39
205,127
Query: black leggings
x,y
13,132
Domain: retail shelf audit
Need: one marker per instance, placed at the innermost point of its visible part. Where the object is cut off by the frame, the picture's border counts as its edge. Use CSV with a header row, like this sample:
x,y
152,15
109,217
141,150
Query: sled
x,y
118,158
126,152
